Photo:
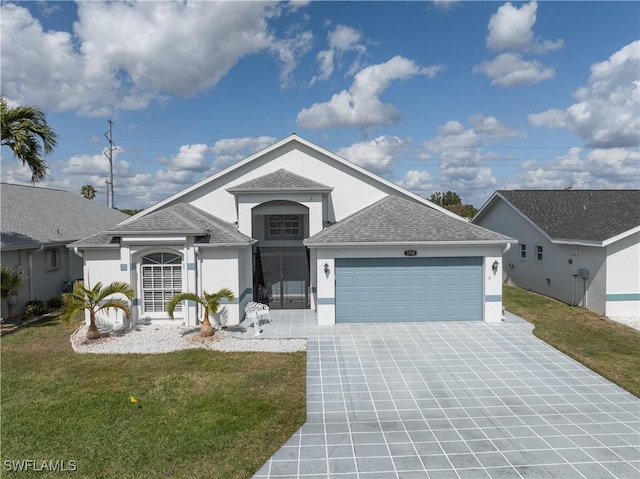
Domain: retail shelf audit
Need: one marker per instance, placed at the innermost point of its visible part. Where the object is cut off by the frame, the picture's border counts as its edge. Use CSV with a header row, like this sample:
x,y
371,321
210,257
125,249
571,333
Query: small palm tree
x,y
93,300
88,191
11,283
210,303
25,130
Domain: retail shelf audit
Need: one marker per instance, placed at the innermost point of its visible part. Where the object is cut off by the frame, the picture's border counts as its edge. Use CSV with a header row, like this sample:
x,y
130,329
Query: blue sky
x,y
463,96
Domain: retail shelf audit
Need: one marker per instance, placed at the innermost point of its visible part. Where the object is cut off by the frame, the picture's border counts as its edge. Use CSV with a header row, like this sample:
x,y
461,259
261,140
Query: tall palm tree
x,y
25,130
11,283
210,303
94,300
88,191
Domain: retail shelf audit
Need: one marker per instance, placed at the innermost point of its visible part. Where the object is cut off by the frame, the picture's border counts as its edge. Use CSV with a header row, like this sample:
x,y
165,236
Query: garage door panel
x,y
408,289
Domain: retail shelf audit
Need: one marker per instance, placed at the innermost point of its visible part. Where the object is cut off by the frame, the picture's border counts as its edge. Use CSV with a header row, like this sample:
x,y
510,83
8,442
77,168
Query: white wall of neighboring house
x,y
612,285
326,292
623,280
43,280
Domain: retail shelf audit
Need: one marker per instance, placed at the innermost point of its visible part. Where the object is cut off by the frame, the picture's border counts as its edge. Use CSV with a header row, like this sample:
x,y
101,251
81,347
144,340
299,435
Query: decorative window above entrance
x,y
283,227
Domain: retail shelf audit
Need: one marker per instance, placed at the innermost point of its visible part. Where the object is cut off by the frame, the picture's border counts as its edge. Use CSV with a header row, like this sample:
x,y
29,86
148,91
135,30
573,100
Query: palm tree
x,y
25,130
210,303
11,283
94,300
88,191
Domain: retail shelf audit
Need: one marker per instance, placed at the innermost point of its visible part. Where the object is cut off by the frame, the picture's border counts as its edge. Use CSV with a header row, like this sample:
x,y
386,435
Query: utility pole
x,y
109,154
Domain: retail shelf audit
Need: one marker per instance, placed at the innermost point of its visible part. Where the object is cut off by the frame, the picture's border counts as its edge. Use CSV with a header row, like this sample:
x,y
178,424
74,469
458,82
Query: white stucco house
x,y
296,226
36,225
579,246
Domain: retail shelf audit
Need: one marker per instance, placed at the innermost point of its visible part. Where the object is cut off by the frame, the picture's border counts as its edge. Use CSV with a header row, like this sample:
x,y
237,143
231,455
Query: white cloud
x,y
231,150
445,5
606,114
510,28
420,182
376,155
360,106
190,157
341,39
125,55
612,168
461,154
509,69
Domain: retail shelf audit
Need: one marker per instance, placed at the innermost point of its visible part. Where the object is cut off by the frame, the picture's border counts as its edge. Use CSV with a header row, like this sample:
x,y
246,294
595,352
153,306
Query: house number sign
x,y
410,252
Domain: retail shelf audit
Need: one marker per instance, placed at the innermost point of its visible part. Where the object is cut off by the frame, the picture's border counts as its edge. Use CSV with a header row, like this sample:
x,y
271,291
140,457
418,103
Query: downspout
x,y
506,248
77,252
30,265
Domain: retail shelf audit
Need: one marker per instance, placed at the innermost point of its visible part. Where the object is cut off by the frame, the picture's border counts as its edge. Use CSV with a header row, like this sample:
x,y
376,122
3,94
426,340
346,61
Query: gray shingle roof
x,y
177,219
279,180
33,216
395,220
589,215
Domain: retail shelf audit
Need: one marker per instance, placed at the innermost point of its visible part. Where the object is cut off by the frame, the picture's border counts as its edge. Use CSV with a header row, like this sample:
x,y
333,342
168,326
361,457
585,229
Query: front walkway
x,y
451,400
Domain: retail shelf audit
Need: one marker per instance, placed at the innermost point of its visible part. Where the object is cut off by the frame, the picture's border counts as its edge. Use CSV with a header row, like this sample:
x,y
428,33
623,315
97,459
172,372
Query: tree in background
x,y
88,191
452,202
25,130
11,283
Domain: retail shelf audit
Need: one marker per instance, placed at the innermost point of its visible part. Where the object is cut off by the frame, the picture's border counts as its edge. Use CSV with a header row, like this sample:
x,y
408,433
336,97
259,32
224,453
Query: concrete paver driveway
x,y
455,400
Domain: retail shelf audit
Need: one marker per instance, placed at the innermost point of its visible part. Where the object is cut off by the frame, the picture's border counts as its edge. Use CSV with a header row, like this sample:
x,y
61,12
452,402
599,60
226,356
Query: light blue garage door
x,y
408,289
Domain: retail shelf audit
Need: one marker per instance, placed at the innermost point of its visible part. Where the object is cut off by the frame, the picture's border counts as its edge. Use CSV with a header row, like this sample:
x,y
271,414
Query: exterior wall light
x,y
494,266
327,271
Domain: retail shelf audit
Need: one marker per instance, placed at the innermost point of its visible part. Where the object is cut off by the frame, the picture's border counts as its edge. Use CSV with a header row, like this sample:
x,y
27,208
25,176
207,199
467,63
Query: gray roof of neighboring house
x,y
395,220
281,180
591,215
32,216
177,219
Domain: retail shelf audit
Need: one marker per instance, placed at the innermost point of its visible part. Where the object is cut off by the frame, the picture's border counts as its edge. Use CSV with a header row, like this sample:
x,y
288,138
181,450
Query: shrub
x,y
35,307
55,302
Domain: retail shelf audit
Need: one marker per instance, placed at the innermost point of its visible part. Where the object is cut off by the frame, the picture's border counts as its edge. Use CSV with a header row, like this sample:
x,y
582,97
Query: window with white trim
x,y
523,251
539,254
53,259
161,280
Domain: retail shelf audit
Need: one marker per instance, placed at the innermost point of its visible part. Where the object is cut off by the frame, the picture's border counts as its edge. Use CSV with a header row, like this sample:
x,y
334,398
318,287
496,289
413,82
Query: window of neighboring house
x,y
539,253
523,251
53,259
161,280
283,227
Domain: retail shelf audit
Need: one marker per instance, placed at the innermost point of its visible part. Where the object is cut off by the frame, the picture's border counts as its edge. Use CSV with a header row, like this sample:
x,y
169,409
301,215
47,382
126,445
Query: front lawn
x,y
199,413
608,348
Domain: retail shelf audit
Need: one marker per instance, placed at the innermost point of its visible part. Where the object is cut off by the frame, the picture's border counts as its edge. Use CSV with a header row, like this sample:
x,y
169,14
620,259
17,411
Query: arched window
x,y
161,279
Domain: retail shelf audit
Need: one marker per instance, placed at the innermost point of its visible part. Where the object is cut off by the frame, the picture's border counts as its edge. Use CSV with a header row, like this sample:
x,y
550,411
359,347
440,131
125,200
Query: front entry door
x,y
286,278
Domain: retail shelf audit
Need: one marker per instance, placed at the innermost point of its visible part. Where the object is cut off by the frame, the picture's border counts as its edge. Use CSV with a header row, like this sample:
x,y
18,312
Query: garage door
x,y
408,289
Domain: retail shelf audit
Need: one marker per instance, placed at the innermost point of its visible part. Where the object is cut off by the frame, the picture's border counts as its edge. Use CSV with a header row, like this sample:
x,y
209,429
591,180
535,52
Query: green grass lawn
x,y
608,348
200,413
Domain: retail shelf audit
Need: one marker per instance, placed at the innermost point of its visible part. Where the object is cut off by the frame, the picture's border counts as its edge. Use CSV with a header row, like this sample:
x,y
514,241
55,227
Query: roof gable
x,y
33,216
280,180
395,220
577,215
293,142
177,219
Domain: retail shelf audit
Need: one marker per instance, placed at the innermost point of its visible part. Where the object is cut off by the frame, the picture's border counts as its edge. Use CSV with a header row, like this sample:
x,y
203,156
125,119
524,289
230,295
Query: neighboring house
x,y
579,246
37,224
296,226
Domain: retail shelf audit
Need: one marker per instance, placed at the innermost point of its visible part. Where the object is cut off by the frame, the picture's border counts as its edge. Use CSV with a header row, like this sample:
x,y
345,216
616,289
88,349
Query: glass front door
x,y
286,279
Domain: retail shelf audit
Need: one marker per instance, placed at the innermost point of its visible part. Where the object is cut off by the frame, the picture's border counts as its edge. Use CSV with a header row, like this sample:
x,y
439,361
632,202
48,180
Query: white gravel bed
x,y
154,338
